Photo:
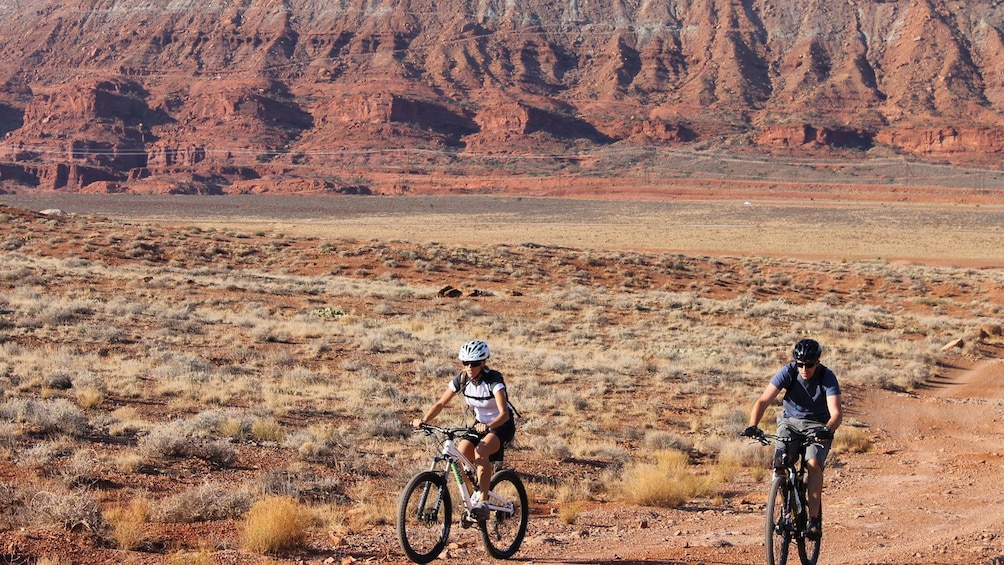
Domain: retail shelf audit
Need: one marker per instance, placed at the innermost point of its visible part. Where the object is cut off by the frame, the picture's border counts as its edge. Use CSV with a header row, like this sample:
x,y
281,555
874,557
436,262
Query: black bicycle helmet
x,y
806,351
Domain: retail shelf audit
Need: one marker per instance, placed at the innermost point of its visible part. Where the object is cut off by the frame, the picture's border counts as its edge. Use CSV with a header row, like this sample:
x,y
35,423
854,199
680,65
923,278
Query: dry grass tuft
x,y
267,429
73,510
851,439
274,524
667,482
209,501
200,557
741,453
89,398
129,523
570,513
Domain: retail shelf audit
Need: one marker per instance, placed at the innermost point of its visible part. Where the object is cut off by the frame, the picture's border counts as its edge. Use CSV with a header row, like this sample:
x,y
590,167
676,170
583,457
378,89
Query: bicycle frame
x,y
456,464
795,474
790,524
425,508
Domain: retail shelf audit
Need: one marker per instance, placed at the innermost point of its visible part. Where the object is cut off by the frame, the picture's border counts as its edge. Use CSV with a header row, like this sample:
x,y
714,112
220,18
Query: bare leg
x,y
814,487
467,448
482,458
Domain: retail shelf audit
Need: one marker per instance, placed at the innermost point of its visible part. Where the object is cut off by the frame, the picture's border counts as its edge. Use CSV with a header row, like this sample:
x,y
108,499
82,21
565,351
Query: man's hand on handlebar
x,y
752,432
823,434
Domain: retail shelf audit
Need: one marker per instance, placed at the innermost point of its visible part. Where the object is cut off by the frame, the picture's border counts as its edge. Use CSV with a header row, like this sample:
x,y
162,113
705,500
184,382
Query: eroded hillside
x,y
349,96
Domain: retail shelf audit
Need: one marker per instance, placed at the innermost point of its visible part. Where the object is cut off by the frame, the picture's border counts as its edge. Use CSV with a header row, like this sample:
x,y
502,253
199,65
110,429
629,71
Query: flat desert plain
x,y
935,231
284,342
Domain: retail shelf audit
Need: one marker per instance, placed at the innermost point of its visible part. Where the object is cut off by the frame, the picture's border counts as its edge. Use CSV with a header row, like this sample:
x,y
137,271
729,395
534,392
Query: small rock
x,y
990,329
450,292
954,344
721,543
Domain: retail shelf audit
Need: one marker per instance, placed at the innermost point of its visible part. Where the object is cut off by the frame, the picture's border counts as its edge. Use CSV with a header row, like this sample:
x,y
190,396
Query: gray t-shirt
x,y
805,399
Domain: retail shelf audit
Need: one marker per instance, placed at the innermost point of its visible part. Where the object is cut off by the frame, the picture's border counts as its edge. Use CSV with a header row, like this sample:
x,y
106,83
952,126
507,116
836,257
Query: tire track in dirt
x,y
930,491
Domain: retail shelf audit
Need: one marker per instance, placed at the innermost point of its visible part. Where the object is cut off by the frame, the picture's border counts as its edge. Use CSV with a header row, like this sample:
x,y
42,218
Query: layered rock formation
x,y
312,95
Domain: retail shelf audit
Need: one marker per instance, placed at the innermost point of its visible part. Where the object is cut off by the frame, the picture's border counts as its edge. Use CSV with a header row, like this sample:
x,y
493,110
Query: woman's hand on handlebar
x,y
417,423
481,429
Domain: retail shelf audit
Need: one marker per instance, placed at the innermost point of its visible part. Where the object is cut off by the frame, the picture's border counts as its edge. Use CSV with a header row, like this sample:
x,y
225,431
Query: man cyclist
x,y
811,408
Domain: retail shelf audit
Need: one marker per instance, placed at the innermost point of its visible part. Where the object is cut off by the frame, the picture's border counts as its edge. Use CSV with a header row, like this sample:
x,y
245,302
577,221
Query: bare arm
x,y
435,409
503,417
761,404
836,412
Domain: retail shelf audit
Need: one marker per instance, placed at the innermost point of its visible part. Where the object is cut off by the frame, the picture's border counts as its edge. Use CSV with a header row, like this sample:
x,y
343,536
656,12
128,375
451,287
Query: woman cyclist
x,y
484,390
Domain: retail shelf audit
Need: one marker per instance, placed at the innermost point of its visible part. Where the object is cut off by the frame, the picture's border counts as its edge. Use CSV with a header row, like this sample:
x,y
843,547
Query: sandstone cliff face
x,y
218,96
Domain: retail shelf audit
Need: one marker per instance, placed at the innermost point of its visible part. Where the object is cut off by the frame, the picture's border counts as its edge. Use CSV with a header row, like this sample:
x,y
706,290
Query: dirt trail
x,y
931,491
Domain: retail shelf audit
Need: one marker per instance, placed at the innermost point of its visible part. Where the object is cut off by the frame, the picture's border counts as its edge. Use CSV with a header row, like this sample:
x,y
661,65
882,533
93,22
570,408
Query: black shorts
x,y
505,434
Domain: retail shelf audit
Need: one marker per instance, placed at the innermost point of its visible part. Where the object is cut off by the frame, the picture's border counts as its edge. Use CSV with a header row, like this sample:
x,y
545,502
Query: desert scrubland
x,y
210,384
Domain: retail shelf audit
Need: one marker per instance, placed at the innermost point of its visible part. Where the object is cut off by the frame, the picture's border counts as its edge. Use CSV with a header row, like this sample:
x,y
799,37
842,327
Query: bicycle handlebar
x,y
452,433
764,438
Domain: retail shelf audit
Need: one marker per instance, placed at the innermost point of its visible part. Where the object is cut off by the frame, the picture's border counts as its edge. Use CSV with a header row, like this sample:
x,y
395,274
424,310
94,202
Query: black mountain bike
x,y
424,512
787,507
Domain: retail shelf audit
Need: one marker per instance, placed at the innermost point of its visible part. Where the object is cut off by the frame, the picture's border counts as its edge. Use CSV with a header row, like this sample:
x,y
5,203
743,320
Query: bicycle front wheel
x,y
503,530
423,517
779,522
808,549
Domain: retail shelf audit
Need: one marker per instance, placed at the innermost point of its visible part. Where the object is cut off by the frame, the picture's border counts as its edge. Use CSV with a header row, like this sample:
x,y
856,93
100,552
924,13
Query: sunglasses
x,y
804,365
472,363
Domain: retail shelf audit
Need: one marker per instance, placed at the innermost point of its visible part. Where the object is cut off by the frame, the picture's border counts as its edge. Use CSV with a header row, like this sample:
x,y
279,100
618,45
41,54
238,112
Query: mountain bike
x,y
787,506
424,512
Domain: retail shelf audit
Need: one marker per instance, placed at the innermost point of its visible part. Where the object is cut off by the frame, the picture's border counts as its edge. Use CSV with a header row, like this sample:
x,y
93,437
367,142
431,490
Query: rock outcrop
x,y
224,97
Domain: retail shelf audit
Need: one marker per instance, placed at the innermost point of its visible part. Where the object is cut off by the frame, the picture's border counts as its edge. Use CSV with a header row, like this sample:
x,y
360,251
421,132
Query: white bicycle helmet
x,y
476,350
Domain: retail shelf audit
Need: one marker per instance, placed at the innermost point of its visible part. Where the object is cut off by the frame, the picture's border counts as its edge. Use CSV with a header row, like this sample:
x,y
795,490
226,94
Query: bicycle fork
x,y
793,512
424,512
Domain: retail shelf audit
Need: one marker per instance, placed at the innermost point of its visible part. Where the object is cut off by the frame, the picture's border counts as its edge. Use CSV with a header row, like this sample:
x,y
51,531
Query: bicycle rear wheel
x,y
423,517
808,550
503,531
779,522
